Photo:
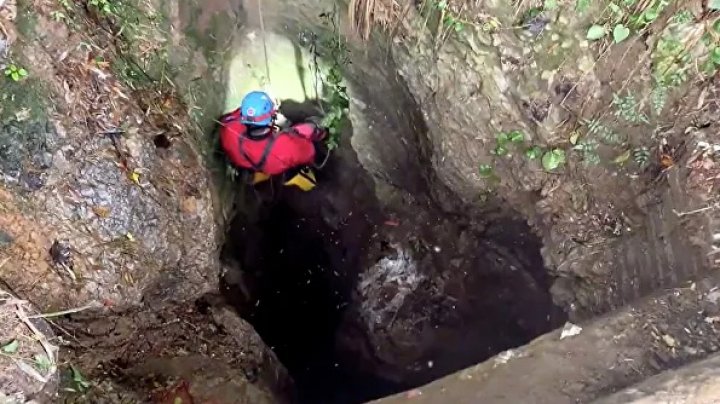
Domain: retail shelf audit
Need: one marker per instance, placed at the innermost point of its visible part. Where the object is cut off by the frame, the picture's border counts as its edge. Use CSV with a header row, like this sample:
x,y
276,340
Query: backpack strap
x,y
266,151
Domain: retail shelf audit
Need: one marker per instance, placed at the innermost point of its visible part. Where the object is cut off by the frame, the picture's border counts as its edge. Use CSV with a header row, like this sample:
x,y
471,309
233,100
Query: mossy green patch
x,y
26,20
25,99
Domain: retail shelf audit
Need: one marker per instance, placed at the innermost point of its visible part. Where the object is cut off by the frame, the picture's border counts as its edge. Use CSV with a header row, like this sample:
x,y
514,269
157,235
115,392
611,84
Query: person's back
x,y
270,151
251,141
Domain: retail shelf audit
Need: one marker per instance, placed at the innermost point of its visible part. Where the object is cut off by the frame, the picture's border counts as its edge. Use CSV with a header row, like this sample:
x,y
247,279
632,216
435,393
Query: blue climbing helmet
x,y
257,109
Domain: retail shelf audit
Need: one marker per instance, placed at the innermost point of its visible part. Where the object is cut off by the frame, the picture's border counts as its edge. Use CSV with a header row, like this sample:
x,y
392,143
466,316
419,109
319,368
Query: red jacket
x,y
272,154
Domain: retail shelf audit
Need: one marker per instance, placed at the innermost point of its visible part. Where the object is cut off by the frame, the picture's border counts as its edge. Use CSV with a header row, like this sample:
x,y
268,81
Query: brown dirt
x,y
208,348
28,358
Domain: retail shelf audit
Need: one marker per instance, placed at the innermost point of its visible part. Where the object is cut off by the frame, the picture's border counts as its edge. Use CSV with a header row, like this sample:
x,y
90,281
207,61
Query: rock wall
x,y
86,172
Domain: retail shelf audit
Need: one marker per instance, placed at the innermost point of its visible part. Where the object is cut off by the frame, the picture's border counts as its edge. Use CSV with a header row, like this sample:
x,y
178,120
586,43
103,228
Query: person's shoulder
x,y
233,126
231,116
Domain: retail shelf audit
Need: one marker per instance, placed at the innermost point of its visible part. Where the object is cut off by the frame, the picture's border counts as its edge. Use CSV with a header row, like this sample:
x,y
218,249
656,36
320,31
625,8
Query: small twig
x,y
4,31
30,371
63,312
49,348
692,212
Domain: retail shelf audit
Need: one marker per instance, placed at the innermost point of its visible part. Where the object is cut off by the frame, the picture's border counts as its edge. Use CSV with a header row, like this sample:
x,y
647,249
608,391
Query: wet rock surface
x,y
138,223
26,152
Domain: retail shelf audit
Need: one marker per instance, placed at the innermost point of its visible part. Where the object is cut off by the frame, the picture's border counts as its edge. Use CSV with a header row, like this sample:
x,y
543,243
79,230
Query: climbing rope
x,y
325,160
264,41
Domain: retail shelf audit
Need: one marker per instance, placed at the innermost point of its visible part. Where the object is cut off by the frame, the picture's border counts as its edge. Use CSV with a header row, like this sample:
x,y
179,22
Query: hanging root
x,y
365,14
361,15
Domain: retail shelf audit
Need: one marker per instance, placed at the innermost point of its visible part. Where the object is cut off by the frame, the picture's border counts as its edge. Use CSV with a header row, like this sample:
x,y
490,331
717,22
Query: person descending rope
x,y
252,141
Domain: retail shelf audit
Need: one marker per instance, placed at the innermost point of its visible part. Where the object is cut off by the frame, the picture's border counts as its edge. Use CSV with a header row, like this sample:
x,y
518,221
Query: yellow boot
x,y
304,179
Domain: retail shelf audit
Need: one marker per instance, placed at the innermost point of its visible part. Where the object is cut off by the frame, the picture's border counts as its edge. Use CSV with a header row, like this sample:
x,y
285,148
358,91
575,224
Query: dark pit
x,y
295,280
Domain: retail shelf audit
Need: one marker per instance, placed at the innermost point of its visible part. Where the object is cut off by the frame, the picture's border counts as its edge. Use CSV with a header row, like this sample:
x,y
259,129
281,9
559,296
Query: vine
x,y
334,101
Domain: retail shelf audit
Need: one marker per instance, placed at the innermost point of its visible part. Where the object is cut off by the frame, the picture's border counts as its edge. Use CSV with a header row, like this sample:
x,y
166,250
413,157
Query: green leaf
x,y
595,32
516,136
23,72
42,362
553,159
15,76
714,4
550,4
485,170
581,5
651,14
78,379
616,9
715,55
533,153
500,150
620,33
502,138
11,347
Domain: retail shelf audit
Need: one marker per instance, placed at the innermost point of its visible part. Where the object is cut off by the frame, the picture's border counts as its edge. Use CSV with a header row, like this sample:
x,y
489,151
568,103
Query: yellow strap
x,y
259,177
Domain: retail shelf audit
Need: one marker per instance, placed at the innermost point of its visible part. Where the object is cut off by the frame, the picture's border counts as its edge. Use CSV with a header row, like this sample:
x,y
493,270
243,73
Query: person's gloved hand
x,y
321,132
281,120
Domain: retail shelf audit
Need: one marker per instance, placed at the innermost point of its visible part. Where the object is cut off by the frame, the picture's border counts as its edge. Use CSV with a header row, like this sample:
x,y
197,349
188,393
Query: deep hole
x,y
298,299
162,142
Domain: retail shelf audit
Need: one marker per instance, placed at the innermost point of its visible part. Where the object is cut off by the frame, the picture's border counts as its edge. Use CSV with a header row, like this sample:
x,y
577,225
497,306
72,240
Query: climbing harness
x,y
274,134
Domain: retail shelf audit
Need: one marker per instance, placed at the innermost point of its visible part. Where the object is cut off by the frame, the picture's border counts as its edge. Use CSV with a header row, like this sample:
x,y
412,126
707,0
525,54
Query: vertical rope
x,y
262,30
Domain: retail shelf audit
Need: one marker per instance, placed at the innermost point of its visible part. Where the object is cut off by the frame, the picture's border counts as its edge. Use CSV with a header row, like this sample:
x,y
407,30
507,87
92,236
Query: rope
x,y
325,160
262,30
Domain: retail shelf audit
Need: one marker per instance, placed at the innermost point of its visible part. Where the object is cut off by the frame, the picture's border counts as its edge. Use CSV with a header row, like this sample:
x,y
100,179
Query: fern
x,y
588,150
628,109
606,134
641,156
658,98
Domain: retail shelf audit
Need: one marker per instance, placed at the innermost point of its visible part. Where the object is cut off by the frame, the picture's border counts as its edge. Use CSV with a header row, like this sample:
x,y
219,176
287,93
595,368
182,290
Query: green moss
x,y
22,98
26,20
127,70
